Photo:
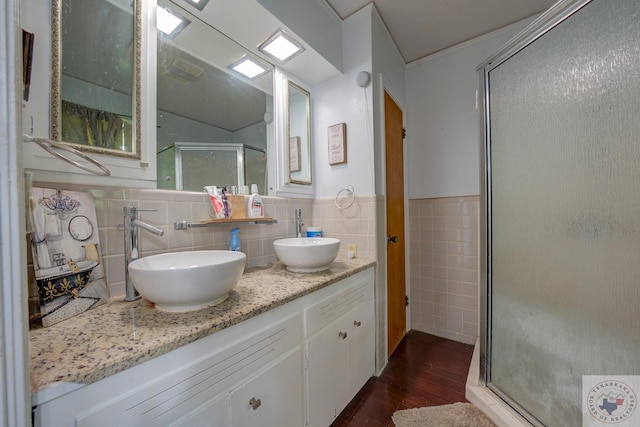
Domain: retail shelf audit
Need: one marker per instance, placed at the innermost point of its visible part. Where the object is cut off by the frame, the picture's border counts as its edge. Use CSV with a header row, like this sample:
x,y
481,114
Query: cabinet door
x,y
273,398
212,414
361,346
327,379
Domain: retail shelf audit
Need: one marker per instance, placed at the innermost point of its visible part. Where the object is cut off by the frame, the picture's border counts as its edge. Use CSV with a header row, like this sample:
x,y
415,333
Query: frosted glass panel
x,y
564,119
209,167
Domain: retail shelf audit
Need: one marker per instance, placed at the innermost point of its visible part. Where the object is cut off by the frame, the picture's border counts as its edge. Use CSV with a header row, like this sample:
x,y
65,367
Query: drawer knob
x,y
357,323
255,403
342,335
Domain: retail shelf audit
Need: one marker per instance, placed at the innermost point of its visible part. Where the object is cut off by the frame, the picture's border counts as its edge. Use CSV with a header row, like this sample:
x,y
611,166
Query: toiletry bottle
x,y
255,207
314,231
234,240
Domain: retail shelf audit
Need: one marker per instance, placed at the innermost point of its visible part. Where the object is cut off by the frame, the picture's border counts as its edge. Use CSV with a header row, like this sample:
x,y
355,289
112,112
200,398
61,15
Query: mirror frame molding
x,y
290,180
56,73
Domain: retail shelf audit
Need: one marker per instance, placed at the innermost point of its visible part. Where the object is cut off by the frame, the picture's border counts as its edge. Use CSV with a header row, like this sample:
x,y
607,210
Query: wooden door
x,y
396,295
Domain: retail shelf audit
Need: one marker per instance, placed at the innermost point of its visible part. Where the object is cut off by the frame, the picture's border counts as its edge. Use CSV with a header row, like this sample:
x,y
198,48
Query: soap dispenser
x,y
255,207
234,239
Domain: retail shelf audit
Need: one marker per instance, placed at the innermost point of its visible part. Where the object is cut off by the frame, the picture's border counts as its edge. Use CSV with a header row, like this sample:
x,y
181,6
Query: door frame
x,y
15,399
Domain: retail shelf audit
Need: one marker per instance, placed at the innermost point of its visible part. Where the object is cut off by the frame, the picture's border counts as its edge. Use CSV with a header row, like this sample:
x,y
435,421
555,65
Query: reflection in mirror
x,y
95,79
299,135
214,125
198,164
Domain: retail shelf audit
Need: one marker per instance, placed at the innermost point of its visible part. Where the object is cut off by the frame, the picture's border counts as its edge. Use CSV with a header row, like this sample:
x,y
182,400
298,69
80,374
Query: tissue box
x,y
238,207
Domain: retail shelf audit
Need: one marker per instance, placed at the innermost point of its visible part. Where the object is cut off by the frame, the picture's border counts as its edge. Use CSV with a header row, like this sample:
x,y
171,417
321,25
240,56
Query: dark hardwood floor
x,y
425,370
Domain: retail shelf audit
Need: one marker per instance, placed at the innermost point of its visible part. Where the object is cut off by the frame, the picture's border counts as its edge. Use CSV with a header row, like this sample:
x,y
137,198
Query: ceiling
x,y
422,27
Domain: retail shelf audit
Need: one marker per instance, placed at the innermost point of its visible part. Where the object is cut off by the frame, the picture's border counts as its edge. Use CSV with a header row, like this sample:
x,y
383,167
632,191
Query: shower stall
x,y
561,202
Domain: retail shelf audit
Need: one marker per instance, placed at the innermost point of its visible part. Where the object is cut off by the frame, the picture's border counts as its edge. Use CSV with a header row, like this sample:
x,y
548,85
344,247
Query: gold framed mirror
x,y
298,142
96,75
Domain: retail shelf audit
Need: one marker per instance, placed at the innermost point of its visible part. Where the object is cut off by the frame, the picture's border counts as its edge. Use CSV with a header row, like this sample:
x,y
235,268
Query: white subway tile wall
x,y
444,267
171,206
354,225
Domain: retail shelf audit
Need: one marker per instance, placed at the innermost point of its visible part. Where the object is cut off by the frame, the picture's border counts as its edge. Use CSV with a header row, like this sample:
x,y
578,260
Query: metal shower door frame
x,y
543,24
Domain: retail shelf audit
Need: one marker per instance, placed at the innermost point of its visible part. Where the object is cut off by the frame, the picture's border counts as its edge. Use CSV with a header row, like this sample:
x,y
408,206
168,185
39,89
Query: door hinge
x,y
406,300
404,133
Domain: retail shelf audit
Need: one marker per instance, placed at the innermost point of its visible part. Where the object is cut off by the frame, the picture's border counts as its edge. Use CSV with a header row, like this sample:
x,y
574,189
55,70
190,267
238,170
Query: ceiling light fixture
x,y
170,23
198,4
281,47
248,68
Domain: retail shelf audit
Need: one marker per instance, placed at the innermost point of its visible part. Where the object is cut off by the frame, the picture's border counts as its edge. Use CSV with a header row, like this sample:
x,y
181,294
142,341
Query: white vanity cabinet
x,y
340,345
289,366
273,398
196,381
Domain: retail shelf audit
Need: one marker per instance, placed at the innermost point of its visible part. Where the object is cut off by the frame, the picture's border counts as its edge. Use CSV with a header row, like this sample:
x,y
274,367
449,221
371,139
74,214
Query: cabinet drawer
x,y
327,310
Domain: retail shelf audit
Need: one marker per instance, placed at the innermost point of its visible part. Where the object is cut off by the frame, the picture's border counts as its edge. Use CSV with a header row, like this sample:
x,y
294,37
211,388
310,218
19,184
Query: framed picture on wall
x,y
338,144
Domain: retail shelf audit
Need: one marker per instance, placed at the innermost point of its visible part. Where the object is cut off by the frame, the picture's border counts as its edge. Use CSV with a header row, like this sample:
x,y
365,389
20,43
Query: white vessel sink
x,y
307,254
183,281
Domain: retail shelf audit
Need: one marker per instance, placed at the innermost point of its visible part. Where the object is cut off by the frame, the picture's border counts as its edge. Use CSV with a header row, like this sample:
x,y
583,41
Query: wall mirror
x,y
215,125
298,149
95,76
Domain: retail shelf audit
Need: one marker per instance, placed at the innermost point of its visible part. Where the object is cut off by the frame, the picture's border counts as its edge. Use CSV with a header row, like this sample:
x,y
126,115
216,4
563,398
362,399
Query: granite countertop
x,y
119,335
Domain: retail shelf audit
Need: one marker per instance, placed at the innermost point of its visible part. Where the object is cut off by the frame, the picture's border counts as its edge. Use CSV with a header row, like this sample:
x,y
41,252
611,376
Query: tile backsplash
x,y
355,226
171,206
444,266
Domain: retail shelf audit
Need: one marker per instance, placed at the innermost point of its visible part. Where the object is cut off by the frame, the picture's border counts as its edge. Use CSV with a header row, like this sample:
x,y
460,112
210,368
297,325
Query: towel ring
x,y
46,145
345,197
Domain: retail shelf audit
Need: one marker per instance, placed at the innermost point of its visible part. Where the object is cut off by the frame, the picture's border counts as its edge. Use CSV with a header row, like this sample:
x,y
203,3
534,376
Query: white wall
x,y
443,130
340,100
389,66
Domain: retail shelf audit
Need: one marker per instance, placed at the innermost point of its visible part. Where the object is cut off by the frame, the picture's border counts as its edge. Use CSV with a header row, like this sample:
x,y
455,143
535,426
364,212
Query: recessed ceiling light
x,y
169,22
198,4
281,47
248,67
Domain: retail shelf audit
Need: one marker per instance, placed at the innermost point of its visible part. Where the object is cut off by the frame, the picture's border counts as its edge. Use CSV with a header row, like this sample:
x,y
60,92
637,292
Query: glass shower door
x,y
562,192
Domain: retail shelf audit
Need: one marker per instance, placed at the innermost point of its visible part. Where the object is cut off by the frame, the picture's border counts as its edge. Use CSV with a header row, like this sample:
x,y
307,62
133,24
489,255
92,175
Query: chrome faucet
x,y
299,223
131,245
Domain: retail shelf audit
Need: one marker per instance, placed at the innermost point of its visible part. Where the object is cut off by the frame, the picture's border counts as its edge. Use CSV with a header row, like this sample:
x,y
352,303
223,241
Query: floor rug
x,y
455,415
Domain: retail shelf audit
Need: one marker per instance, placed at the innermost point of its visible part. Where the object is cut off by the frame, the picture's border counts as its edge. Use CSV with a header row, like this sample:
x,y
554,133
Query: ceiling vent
x,y
183,70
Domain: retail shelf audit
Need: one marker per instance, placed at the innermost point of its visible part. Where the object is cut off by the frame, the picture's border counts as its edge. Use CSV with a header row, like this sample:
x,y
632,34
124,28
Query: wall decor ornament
x,y
69,274
338,144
